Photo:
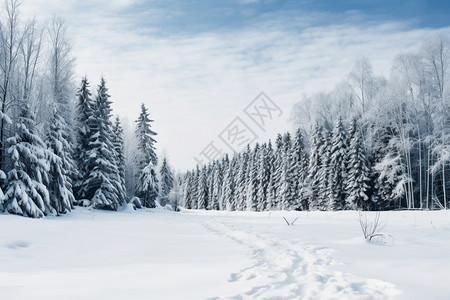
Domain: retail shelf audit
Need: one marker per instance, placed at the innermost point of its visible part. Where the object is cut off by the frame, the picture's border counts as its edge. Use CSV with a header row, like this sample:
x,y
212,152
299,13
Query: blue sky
x,y
184,17
197,64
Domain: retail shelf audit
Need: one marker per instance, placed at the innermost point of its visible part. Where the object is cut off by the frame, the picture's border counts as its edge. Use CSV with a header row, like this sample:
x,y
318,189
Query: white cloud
x,y
196,84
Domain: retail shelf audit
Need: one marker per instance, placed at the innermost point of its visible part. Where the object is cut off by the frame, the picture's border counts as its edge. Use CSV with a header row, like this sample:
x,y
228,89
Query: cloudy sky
x,y
198,64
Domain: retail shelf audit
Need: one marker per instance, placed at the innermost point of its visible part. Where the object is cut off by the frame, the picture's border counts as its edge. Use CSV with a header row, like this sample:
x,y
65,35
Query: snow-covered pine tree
x,y
146,142
299,171
270,194
167,181
85,118
277,171
225,165
253,182
315,162
25,192
358,179
194,187
202,189
187,196
217,187
211,172
229,186
338,168
146,159
324,175
286,195
120,158
103,184
241,180
148,189
60,164
263,177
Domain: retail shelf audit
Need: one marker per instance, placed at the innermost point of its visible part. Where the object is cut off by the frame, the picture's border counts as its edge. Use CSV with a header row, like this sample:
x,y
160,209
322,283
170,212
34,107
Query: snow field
x,y
156,254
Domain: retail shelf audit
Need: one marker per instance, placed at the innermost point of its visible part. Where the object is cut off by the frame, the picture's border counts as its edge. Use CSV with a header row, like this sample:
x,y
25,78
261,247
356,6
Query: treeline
x,y
55,152
335,176
370,143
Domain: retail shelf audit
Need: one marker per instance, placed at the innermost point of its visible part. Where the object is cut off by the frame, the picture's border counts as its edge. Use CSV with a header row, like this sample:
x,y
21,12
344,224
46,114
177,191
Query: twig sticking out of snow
x,y
290,223
372,229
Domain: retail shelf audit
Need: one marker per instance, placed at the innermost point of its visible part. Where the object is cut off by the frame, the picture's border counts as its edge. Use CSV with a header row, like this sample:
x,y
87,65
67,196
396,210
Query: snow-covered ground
x,y
157,254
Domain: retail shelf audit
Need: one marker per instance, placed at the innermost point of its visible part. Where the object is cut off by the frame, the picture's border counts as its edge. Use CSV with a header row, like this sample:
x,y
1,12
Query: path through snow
x,y
285,269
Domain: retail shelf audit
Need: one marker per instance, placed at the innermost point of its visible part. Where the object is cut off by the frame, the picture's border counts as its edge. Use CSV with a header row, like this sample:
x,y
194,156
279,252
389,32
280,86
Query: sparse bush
x,y
372,229
290,223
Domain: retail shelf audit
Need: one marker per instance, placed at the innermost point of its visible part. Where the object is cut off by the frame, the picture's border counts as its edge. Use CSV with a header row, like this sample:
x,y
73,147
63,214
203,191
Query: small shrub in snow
x,y
290,223
372,229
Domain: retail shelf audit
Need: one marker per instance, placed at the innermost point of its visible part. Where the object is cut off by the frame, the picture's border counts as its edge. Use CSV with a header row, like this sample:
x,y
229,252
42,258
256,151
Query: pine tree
x,y
194,188
202,189
212,172
148,189
217,187
224,169
229,187
187,196
357,182
325,172
314,167
120,158
338,158
241,180
167,180
59,184
286,195
103,182
270,194
299,171
146,160
253,182
146,142
263,177
277,170
25,192
85,118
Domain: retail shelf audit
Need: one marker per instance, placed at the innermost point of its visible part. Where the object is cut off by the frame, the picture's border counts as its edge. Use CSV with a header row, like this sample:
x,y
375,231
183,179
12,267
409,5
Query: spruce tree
x,y
253,182
167,181
85,119
59,184
270,194
146,142
299,171
277,171
120,158
286,191
325,173
187,196
217,187
26,193
147,189
315,161
338,167
103,184
357,182
202,189
224,169
263,177
229,186
146,160
241,180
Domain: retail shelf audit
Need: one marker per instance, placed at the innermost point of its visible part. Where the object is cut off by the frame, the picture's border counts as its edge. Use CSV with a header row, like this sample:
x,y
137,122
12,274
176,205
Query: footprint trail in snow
x,y
284,270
